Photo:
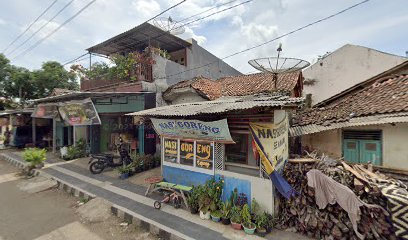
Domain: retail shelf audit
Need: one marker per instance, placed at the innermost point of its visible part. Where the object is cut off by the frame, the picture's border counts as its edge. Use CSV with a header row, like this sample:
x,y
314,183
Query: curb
x,y
127,215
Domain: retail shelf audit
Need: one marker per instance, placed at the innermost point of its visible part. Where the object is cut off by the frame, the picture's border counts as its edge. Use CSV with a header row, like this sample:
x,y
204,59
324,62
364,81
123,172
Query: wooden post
x,y
74,134
54,136
34,135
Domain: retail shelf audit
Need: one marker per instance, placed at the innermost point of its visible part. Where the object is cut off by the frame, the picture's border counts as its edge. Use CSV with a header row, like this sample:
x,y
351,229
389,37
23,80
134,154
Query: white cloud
x,y
146,7
189,33
2,22
51,26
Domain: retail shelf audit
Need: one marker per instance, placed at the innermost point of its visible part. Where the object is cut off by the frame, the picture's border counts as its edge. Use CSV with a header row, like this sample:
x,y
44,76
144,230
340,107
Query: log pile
x,y
301,214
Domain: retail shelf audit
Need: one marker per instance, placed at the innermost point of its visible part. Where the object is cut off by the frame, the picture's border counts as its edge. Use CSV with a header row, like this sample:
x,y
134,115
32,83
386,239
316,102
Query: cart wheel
x,y
177,203
157,205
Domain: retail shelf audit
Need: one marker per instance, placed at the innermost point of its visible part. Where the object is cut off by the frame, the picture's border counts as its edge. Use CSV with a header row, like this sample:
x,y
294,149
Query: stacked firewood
x,y
301,214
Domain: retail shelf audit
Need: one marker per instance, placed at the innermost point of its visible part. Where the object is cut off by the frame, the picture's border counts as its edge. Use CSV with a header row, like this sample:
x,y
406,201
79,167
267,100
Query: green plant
x,y
125,169
226,209
234,196
262,221
236,214
255,208
34,156
76,151
193,197
246,214
216,214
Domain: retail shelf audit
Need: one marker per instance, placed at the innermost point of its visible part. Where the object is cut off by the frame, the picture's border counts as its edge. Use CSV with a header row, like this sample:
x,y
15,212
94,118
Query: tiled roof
x,y
241,85
384,96
60,91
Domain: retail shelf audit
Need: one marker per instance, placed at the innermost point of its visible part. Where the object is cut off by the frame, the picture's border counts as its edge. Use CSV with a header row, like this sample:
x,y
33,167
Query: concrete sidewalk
x,y
128,202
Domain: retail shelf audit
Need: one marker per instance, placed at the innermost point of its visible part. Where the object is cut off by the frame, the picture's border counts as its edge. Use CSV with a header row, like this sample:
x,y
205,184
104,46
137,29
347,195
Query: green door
x,y
370,151
362,151
351,150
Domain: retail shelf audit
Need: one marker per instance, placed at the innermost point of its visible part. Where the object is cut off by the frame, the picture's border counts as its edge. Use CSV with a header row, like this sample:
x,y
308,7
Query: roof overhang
x,y
354,122
83,95
137,39
221,106
16,111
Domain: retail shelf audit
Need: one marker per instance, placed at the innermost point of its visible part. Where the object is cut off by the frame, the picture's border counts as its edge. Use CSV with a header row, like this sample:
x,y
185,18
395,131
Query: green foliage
x,y
34,156
216,214
77,151
246,214
236,214
255,208
226,209
125,169
262,221
234,196
193,197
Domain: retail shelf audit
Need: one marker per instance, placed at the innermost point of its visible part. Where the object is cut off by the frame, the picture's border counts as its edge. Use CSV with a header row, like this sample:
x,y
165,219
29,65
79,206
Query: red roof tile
x,y
386,95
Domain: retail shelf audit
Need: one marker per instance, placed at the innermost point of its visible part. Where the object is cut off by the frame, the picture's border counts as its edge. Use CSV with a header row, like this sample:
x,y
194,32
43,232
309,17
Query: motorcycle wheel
x,y
96,167
157,205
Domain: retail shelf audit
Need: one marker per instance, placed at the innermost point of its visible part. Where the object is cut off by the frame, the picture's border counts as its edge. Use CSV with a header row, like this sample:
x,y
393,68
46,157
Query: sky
x,y
377,24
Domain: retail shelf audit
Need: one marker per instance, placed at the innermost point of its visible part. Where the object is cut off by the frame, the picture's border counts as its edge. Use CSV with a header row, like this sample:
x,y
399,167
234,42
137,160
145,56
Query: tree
x,y
4,73
53,75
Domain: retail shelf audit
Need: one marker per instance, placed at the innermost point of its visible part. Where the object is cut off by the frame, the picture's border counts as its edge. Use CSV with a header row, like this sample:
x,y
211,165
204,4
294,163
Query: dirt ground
x,y
43,214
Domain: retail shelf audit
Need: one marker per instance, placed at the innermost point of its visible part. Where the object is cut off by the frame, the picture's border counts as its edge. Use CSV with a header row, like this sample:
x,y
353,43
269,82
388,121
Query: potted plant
x,y
249,226
216,215
157,160
226,212
262,224
236,218
192,199
125,171
204,203
255,209
35,157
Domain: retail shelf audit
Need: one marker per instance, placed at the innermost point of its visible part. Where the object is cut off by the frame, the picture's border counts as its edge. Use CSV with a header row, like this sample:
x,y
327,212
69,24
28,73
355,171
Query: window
x,y
170,150
238,152
194,155
187,153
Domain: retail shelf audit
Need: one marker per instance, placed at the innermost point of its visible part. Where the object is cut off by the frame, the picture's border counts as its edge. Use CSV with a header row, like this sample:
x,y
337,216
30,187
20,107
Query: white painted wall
x,y
344,68
394,143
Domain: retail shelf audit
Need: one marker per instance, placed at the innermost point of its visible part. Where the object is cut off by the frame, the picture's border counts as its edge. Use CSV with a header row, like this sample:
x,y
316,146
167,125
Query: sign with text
x,y
79,113
186,153
170,150
204,155
45,111
193,129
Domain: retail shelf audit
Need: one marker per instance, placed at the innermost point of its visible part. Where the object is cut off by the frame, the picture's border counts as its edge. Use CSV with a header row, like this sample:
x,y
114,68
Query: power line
x,y
43,26
269,41
21,34
220,5
55,30
157,15
69,61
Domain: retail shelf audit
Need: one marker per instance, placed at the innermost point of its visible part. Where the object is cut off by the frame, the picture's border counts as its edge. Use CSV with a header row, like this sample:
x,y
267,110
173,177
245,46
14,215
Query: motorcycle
x,y
98,162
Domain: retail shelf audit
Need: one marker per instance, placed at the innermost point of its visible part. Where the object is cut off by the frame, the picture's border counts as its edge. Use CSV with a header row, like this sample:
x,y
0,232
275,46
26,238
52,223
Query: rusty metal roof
x,y
221,105
354,122
137,39
82,95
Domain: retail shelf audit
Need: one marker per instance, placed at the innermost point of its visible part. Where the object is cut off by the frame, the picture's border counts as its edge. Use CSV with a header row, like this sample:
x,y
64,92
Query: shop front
x,y
220,144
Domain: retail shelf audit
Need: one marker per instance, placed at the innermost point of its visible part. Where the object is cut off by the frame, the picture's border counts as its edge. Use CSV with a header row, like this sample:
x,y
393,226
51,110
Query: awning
x,y
46,111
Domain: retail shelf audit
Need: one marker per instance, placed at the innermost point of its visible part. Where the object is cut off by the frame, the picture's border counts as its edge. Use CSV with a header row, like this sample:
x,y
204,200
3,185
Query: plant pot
x,y
124,176
193,210
225,221
249,230
236,226
215,219
261,232
205,216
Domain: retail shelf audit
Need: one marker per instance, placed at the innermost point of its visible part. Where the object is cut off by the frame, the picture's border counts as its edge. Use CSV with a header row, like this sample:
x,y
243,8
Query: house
x,y
366,123
344,68
206,133
174,59
204,89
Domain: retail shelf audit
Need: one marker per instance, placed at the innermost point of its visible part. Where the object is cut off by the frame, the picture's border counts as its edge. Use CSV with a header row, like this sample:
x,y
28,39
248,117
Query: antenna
x,y
278,65
169,25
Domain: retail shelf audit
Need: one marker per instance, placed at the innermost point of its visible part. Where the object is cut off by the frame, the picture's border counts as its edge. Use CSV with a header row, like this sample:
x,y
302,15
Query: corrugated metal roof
x,y
83,95
220,105
354,122
17,111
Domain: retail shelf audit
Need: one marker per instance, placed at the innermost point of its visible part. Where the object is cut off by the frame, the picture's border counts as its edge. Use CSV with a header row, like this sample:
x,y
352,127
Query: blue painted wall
x,y
189,178
230,183
184,177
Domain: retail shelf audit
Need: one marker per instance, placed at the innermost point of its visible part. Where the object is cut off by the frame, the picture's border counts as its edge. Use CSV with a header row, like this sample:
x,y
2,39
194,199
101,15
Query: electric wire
x,y
55,30
43,26
29,26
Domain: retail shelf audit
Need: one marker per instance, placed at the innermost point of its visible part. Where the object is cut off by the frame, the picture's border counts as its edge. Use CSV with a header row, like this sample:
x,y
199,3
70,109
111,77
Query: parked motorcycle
x,y
98,162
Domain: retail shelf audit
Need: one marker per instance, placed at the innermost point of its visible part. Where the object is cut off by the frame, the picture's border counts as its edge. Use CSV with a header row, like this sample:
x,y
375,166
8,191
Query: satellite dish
x,y
169,25
278,65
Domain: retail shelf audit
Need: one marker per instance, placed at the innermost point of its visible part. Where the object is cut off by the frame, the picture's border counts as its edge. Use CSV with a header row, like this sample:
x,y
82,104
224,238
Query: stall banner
x,y
271,141
79,113
193,129
45,111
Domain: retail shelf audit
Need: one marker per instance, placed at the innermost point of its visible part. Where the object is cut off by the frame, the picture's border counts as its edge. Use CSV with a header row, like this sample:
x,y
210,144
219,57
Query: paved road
x,y
48,215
